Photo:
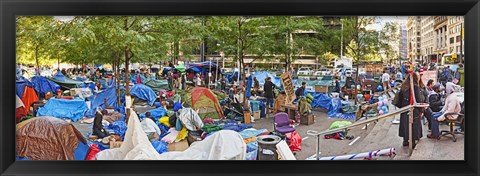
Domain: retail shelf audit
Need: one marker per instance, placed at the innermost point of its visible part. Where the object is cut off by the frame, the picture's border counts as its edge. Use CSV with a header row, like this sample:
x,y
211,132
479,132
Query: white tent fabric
x,y
19,102
136,145
190,119
222,145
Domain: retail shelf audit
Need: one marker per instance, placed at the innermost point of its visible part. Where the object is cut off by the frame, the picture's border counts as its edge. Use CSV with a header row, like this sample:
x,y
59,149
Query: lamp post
x,y
210,73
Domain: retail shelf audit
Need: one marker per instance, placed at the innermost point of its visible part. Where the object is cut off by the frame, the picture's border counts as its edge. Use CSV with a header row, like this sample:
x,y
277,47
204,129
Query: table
x,y
291,110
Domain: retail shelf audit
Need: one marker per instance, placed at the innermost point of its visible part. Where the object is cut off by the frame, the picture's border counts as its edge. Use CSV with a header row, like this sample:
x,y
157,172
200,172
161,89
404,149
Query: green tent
x,y
158,85
180,67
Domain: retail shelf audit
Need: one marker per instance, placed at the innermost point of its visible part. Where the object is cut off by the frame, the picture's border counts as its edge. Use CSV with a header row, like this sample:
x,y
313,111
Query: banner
x,y
288,86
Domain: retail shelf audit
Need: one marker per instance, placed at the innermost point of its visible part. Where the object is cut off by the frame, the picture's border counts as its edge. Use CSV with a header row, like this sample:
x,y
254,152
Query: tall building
x,y
403,46
427,40
440,29
455,24
414,28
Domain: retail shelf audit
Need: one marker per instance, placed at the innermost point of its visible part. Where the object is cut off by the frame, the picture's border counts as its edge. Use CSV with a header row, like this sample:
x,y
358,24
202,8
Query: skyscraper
x,y
403,46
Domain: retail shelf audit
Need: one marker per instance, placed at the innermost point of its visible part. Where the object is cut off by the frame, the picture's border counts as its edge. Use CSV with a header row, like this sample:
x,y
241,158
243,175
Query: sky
x,y
382,20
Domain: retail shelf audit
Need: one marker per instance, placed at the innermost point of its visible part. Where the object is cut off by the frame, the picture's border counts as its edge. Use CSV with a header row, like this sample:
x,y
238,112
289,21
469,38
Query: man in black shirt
x,y
300,92
268,87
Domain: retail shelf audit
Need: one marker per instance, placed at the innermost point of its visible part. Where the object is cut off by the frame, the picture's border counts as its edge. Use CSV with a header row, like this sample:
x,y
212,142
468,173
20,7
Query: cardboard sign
x,y
288,86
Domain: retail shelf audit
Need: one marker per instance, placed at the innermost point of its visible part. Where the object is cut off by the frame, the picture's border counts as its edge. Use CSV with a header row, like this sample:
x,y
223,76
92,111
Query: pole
x,y
461,44
318,147
341,44
216,73
209,73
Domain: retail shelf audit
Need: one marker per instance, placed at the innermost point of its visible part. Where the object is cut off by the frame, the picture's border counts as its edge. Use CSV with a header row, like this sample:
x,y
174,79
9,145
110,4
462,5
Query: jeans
x,y
435,124
270,103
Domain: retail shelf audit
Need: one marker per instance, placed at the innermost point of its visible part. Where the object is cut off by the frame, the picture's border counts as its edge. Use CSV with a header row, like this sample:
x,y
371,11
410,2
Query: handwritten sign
x,y
288,86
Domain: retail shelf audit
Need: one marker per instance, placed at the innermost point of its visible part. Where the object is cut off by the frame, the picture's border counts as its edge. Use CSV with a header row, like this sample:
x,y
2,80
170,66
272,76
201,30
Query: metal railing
x,y
375,119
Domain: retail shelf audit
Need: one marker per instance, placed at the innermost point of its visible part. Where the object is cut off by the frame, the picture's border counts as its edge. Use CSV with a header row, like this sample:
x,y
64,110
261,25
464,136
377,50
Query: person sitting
x,y
98,129
452,105
451,86
300,92
150,128
435,99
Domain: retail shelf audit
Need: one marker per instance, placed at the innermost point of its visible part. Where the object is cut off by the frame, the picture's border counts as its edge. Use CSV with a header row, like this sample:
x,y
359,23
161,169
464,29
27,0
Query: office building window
x,y
452,40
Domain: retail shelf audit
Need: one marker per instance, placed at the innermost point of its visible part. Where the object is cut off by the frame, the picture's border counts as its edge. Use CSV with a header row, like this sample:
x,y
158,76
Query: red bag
x,y
295,141
92,152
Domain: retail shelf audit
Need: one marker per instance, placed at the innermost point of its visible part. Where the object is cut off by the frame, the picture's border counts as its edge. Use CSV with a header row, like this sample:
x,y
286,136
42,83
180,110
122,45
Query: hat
x,y
436,86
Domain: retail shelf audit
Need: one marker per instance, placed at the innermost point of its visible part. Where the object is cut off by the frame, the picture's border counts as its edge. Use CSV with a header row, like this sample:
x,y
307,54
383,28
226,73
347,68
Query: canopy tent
x,y
205,66
205,102
180,67
65,82
158,85
43,85
70,109
143,92
261,76
49,138
20,85
194,69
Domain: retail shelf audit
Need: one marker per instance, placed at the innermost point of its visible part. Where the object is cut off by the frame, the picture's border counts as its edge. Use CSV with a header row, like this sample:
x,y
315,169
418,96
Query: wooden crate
x,y
321,89
307,119
256,115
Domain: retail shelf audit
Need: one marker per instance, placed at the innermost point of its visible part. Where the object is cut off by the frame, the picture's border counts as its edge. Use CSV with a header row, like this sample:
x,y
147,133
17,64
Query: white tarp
x,y
136,145
18,102
190,119
222,145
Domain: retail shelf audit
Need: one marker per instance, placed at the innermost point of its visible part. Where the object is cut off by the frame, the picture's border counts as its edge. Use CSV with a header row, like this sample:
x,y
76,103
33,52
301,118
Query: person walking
x,y
385,80
269,87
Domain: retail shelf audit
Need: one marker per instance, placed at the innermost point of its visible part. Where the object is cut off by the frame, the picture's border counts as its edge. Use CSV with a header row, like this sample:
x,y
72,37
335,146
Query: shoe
x,y
433,137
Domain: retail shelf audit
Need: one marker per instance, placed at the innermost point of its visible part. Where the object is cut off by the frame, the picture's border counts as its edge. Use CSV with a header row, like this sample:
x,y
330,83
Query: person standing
x,y
402,99
256,85
300,92
385,80
198,81
269,87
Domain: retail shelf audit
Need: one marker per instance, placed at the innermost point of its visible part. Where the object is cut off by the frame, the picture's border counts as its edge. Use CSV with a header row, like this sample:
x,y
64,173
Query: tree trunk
x,y
36,57
176,50
127,71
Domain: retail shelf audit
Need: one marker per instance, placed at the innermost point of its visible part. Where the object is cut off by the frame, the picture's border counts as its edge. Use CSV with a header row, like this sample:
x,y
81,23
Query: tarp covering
x,y
90,85
155,113
98,100
206,103
143,92
65,82
222,145
180,67
135,78
321,100
135,146
42,85
335,110
157,85
20,85
70,109
261,76
47,138
190,119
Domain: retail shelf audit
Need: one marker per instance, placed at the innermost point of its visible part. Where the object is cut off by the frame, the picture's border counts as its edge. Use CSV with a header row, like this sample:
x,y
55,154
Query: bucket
x,y
267,149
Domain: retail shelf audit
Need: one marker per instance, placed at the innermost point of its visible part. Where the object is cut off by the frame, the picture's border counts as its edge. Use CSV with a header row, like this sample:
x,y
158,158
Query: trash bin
x,y
267,149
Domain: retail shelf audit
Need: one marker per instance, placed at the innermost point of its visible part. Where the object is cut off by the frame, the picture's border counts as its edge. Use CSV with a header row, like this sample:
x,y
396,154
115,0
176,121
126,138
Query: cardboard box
x,y
307,119
178,146
115,144
321,89
256,115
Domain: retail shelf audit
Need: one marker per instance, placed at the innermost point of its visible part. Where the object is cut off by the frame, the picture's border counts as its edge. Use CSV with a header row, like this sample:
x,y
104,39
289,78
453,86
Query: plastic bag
x,y
160,146
295,141
165,120
93,152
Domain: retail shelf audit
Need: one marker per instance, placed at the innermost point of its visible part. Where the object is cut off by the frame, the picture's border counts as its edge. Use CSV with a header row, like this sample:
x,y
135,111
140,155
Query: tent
x,y
65,82
206,103
205,66
98,100
43,85
135,78
49,138
70,109
20,85
180,67
158,85
143,92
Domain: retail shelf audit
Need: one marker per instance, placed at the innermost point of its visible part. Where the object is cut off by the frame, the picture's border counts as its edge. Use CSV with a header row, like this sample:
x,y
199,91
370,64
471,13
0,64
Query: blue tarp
x,y
231,75
98,100
335,110
20,85
42,85
160,146
261,76
81,151
155,113
119,127
195,69
144,92
320,100
249,86
135,78
62,108
90,85
65,82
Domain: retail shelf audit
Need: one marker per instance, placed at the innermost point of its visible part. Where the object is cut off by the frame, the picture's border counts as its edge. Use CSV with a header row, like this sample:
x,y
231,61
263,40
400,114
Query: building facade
x,y
403,45
427,40
455,24
414,37
441,30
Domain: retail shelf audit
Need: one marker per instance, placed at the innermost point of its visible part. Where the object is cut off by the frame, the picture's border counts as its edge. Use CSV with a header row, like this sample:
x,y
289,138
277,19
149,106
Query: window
x,y
451,40
458,38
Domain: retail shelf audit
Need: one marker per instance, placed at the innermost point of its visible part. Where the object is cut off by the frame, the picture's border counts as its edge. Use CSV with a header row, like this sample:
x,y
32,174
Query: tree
x,y
361,39
388,34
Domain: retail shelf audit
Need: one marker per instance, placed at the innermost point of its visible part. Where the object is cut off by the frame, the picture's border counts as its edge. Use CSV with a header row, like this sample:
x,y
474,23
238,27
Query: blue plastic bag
x,y
160,146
